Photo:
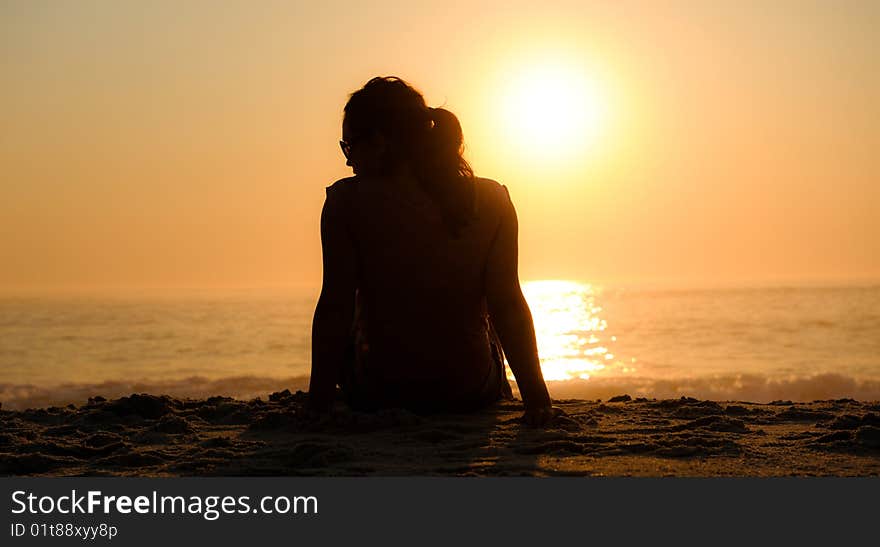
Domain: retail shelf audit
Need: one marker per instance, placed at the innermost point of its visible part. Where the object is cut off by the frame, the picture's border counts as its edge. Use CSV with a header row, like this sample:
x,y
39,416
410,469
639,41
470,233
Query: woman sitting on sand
x,y
418,255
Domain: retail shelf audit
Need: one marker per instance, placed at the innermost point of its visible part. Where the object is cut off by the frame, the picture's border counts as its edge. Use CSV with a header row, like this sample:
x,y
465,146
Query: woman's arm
x,y
334,313
513,320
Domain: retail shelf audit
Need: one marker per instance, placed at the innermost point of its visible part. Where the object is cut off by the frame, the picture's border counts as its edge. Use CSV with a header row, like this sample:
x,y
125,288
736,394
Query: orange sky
x,y
157,144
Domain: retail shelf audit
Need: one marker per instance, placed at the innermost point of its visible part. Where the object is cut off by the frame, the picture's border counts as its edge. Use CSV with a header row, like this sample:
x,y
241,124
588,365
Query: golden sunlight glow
x,y
552,110
568,328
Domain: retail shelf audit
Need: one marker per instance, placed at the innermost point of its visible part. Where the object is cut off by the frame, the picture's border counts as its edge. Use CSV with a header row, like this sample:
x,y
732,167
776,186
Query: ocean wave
x,y
754,388
22,396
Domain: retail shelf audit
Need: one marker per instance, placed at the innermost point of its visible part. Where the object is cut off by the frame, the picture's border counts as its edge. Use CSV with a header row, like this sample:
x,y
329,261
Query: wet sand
x,y
148,435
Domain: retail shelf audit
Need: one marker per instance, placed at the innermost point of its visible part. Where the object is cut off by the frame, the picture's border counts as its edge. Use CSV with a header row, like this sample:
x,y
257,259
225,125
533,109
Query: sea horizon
x,y
746,343
677,284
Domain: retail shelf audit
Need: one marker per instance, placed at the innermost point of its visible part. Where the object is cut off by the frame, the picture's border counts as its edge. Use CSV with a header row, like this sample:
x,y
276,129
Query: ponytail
x,y
429,139
444,174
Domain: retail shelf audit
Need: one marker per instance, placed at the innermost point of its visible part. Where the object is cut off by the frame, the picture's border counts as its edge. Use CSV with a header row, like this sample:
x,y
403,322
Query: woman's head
x,y
387,125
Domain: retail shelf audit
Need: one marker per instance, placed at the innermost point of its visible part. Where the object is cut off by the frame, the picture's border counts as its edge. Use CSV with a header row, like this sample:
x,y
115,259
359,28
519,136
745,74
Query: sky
x,y
188,144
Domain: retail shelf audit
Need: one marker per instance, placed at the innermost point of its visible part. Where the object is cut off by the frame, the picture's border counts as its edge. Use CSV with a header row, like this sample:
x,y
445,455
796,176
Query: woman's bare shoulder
x,y
483,181
493,188
342,183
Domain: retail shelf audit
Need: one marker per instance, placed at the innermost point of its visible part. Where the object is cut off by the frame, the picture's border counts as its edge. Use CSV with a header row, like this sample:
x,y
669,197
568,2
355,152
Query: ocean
x,y
746,344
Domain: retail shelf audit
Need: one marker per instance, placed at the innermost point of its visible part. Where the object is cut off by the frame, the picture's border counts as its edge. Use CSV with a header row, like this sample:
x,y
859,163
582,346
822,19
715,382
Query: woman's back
x,y
417,253
422,314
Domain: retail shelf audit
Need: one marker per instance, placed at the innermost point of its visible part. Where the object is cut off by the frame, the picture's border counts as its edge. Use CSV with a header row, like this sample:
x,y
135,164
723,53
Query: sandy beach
x,y
149,435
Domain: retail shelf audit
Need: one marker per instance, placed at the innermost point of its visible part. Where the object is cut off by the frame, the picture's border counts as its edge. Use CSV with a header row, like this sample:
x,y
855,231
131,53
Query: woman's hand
x,y
540,416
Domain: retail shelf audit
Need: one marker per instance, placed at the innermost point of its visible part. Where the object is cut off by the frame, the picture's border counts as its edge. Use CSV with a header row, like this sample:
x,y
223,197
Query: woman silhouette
x,y
420,270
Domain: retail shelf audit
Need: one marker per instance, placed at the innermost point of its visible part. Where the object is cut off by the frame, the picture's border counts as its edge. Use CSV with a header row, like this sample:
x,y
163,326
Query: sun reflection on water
x,y
569,329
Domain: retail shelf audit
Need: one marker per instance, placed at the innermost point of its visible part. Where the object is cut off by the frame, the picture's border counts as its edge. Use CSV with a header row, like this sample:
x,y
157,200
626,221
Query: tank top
x,y
421,317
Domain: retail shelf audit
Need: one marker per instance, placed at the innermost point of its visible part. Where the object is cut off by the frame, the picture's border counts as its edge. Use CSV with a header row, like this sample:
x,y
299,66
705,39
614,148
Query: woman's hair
x,y
428,139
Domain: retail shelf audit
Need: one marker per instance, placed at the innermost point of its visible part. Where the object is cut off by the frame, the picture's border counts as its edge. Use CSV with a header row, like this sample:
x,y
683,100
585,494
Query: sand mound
x,y
163,436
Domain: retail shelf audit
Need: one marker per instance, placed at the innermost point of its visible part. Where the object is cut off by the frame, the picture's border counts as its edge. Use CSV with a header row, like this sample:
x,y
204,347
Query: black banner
x,y
409,511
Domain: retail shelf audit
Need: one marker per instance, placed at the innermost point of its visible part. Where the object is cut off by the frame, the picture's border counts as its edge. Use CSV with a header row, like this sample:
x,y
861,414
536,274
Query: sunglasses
x,y
346,146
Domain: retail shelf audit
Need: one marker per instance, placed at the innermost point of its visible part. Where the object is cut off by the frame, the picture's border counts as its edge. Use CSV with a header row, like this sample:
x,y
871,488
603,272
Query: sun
x,y
552,110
